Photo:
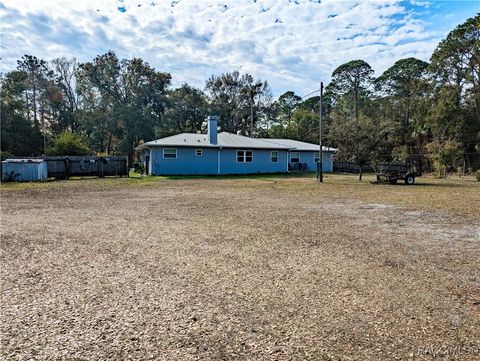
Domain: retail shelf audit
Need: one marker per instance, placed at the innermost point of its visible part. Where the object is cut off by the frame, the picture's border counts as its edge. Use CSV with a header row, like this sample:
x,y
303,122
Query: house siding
x,y
186,163
308,158
261,162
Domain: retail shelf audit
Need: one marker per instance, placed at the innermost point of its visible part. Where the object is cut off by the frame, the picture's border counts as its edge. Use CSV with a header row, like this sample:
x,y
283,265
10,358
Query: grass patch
x,y
460,195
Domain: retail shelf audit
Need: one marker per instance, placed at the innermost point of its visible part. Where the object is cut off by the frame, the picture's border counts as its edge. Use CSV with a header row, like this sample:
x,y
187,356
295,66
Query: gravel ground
x,y
268,269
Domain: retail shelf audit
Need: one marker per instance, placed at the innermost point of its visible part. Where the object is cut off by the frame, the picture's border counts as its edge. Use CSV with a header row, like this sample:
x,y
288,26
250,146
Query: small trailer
x,y
408,171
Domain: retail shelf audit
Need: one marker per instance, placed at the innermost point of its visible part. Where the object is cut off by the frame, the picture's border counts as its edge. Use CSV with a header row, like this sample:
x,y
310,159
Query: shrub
x,y
443,155
139,168
5,155
68,143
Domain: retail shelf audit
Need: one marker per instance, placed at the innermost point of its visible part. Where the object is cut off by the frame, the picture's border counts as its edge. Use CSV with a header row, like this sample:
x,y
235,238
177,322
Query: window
x,y
274,157
316,157
244,156
198,152
170,153
295,157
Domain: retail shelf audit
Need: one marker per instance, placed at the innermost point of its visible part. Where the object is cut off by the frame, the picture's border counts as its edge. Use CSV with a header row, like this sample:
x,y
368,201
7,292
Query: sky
x,y
293,44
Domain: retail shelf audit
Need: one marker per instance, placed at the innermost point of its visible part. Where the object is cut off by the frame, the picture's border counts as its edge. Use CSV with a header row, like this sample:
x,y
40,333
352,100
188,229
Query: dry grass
x,y
255,268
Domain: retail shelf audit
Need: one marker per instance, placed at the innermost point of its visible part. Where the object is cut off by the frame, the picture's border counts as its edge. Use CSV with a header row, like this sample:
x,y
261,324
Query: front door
x,y
147,165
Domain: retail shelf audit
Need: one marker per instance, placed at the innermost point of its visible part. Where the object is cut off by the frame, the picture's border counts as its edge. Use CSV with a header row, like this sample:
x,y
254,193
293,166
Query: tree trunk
x,y
361,172
356,107
109,145
251,116
35,120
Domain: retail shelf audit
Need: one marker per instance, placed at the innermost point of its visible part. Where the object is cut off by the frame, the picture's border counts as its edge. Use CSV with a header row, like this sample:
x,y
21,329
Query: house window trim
x,y
176,153
299,159
277,156
244,156
201,152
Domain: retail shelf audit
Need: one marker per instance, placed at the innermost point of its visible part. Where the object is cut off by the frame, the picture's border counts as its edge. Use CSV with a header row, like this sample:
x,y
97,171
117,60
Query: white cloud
x,y
292,44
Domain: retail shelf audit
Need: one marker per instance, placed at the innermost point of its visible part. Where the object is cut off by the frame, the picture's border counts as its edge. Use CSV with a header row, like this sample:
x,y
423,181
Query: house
x,y
227,153
304,156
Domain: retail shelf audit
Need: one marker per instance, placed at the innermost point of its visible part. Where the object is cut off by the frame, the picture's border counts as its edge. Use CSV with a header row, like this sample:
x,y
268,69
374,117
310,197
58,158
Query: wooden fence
x,y
63,167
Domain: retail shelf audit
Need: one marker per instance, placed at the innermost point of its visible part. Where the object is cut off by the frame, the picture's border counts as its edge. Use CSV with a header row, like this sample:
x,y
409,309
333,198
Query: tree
x,y
253,89
352,80
455,65
36,70
38,93
303,126
403,87
186,111
68,143
362,141
18,135
232,98
444,154
354,133
127,96
286,104
68,101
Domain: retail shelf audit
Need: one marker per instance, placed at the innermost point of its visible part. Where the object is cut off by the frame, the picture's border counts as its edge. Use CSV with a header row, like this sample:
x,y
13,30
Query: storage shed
x,y
24,170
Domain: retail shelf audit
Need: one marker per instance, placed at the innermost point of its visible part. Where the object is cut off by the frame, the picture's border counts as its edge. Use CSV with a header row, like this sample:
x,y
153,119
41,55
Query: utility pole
x,y
320,150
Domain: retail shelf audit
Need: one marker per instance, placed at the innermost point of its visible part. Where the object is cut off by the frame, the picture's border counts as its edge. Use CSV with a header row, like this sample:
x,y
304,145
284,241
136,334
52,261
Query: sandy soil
x,y
268,269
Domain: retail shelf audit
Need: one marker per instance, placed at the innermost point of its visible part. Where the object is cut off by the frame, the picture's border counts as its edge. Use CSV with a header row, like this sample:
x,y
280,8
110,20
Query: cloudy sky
x,y
292,43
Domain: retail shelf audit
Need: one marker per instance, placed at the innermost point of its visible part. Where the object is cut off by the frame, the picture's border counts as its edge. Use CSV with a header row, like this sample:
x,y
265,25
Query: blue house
x,y
227,153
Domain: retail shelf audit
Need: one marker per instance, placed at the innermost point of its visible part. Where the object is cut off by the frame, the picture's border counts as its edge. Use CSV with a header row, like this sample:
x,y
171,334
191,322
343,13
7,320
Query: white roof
x,y
22,160
297,145
225,140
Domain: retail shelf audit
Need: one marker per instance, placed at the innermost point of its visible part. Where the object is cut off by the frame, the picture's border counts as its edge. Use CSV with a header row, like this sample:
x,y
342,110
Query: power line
x,y
310,93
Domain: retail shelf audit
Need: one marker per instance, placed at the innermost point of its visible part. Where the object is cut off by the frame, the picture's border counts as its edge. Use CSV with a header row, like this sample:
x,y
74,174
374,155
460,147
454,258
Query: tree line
x,y
111,105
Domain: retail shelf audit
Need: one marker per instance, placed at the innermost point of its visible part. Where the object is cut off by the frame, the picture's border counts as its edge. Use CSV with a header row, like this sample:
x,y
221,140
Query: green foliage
x,y
19,136
5,155
126,100
352,82
187,109
235,98
118,103
139,168
285,107
68,143
444,154
403,87
455,65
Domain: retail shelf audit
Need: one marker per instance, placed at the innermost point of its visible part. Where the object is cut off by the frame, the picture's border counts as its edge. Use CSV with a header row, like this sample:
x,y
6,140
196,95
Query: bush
x,y
5,155
443,155
68,143
139,168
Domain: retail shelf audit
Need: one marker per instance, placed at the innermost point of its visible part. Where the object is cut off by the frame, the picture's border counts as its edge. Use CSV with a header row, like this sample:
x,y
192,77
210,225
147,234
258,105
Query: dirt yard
x,y
272,268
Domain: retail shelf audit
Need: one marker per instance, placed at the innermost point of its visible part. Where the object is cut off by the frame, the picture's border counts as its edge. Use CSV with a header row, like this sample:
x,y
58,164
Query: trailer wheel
x,y
409,179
